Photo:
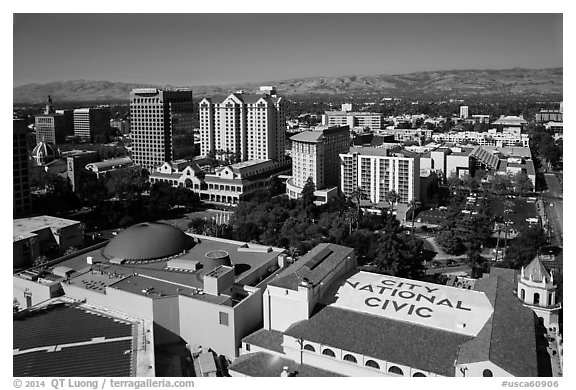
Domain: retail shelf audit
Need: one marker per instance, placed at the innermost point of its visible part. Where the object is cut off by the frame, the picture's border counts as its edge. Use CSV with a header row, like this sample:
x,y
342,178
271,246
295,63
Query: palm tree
x,y
413,204
351,216
392,197
358,194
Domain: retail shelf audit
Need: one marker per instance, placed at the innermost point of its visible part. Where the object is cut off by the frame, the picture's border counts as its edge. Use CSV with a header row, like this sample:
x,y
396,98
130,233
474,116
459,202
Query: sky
x,y
212,49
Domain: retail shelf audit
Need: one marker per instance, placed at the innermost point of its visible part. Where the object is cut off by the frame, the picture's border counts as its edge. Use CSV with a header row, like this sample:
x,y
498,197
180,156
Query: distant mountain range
x,y
453,83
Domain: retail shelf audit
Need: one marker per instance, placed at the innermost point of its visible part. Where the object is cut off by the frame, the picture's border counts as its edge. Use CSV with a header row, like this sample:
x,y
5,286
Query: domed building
x,y
43,153
148,241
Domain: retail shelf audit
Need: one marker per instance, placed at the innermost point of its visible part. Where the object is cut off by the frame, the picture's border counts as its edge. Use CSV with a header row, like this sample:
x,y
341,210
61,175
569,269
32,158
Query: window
x,y
395,370
372,364
487,372
223,318
310,348
536,298
418,374
248,347
328,352
522,294
350,358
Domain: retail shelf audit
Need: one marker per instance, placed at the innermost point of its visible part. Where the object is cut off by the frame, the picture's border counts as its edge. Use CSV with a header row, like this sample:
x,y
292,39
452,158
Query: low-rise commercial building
x,y
227,184
199,290
492,137
114,164
321,313
34,236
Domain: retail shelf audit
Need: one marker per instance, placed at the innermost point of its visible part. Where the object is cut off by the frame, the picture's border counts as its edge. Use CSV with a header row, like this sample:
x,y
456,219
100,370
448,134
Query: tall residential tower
x,y
251,126
161,126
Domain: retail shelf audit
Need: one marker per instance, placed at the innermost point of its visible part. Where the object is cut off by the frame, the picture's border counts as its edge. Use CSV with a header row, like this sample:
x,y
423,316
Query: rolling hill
x,y
454,83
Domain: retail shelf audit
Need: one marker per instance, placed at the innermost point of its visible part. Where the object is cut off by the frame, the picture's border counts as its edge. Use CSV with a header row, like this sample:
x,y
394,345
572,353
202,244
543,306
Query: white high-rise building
x,y
464,112
378,171
161,126
315,155
251,126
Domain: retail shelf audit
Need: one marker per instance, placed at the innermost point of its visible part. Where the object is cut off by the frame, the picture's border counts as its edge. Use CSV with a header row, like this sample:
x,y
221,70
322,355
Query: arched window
x,y
373,364
536,298
310,348
395,370
418,374
350,358
328,352
487,372
522,294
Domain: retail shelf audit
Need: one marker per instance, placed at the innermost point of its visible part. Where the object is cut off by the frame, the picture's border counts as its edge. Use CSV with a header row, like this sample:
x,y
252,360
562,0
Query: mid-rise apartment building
x,y
377,171
92,124
161,126
464,112
371,120
315,155
250,126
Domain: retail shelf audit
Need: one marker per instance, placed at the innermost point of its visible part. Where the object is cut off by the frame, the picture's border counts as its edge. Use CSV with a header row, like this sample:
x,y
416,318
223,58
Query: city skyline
x,y
216,49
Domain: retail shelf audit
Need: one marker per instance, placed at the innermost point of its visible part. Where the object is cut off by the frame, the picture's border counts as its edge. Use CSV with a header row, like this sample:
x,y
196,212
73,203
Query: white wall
x,y
477,369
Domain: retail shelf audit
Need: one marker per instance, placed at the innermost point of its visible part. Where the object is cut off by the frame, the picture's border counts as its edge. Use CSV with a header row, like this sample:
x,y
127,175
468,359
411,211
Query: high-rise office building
x,y
92,124
315,155
161,124
53,126
22,203
252,126
464,112
378,171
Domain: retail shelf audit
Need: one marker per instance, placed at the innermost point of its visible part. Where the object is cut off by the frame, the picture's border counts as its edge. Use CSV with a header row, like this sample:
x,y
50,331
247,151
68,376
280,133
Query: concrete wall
x,y
166,313
70,236
283,307
37,292
133,304
247,316
458,165
200,325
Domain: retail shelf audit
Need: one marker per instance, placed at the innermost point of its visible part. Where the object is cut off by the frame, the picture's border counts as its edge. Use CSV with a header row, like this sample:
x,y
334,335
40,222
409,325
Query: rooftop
x,y
25,227
510,332
536,271
313,266
262,364
107,270
266,338
66,341
421,347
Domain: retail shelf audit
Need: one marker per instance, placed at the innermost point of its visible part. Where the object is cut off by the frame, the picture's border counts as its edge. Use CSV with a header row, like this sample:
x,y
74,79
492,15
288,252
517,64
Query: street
x,y
553,196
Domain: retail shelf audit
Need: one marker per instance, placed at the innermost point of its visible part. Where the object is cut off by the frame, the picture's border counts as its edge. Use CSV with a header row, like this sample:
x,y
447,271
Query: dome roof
x,y
43,153
148,241
536,272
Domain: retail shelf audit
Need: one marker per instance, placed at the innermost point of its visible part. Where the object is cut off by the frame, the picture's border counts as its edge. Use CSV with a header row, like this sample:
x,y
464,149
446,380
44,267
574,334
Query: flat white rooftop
x,y
426,304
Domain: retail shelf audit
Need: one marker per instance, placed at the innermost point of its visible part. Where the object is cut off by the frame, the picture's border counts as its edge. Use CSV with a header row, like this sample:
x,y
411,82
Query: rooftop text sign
x,y
437,306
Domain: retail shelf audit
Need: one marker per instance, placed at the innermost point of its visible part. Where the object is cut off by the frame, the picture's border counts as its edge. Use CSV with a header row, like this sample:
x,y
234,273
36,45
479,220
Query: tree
x,y
522,183
450,241
392,197
413,204
308,193
478,264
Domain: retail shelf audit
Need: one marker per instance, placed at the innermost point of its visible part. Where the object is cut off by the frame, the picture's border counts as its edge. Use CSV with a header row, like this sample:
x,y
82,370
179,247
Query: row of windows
x,y
352,359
